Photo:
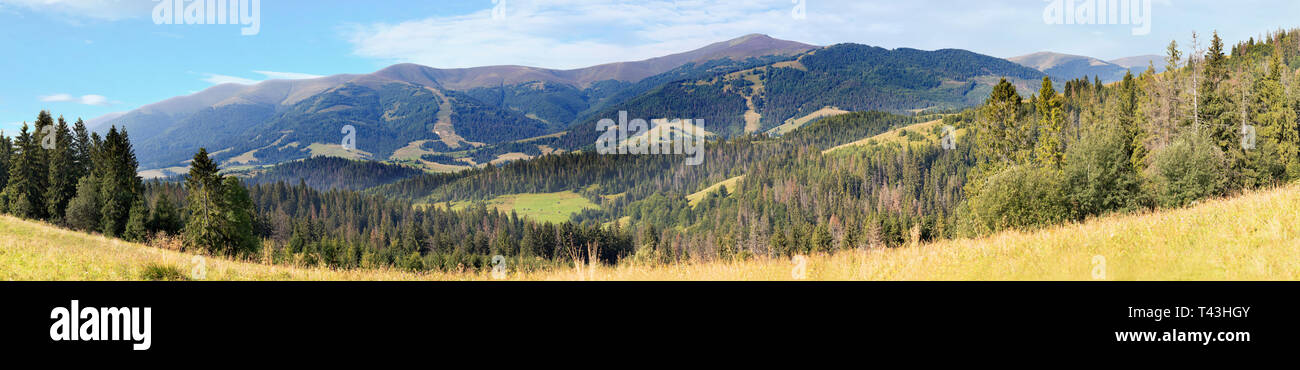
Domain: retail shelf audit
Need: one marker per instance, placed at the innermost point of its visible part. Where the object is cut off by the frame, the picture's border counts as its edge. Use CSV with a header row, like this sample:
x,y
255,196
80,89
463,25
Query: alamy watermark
x,y
800,10
1101,12
1247,137
247,13
1098,267
639,136
949,139
349,138
498,10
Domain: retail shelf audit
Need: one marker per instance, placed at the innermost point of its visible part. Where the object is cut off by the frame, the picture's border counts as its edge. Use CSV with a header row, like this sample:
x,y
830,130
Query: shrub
x,y
162,272
1018,197
1099,177
83,210
1190,169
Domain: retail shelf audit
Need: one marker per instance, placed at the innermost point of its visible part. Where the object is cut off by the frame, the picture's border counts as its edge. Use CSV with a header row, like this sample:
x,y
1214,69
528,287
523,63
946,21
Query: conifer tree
x,y
137,229
1051,119
63,173
1000,137
164,217
26,178
119,186
6,159
206,222
81,149
1215,113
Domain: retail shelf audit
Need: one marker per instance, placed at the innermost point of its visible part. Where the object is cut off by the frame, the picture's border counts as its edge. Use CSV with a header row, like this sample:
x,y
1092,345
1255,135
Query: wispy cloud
x,y
91,99
286,75
558,33
217,79
104,10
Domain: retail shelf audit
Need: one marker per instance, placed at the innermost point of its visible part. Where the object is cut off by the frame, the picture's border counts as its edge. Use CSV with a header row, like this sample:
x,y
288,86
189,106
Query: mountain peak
x,y
753,37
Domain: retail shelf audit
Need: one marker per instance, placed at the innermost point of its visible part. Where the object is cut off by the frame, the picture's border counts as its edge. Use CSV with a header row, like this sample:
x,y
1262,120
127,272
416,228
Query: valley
x,y
1250,237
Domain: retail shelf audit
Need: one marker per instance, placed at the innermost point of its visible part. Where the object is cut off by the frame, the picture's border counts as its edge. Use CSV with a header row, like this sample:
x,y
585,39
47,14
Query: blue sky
x,y
86,58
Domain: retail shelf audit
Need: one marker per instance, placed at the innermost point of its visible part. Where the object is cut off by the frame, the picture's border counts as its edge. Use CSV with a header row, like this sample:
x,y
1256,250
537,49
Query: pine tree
x,y
63,173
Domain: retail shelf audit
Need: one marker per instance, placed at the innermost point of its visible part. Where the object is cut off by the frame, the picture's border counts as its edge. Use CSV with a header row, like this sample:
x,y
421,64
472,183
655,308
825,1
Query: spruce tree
x,y
1277,122
203,230
1215,113
119,185
822,240
241,216
778,243
6,159
137,229
1051,120
999,136
63,173
164,217
23,187
81,149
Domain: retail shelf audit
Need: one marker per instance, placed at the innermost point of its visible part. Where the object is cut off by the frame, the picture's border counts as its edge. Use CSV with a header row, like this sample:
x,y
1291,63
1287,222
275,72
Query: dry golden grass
x,y
1250,237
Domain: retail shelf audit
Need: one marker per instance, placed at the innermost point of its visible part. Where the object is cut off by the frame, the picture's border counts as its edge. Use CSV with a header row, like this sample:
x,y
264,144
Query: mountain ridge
x,y
1063,67
293,91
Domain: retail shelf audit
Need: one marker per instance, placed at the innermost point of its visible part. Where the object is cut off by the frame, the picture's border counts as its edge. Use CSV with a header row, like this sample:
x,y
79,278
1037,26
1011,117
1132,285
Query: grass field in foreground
x,y
1251,237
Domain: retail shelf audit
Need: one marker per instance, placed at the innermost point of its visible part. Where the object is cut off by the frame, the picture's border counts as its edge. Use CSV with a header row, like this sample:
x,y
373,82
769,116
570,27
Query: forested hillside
x,y
329,173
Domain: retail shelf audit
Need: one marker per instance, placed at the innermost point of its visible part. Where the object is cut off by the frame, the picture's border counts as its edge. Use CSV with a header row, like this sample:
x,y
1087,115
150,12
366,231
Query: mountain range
x,y
450,119
1063,67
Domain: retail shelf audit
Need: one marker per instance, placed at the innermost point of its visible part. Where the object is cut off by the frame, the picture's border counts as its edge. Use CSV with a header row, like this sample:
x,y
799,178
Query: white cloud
x,y
579,33
105,10
91,99
217,79
286,75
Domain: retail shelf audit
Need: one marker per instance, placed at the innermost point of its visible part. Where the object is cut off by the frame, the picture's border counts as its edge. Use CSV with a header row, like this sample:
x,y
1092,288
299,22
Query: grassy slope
x,y
730,183
36,251
544,207
1251,237
894,137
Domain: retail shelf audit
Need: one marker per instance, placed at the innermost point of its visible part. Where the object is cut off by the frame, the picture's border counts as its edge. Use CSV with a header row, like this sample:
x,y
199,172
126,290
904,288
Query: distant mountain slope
x,y
848,76
1139,64
1062,67
745,47
280,120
